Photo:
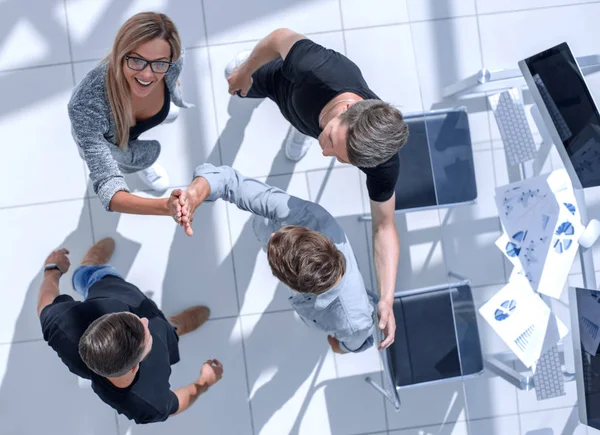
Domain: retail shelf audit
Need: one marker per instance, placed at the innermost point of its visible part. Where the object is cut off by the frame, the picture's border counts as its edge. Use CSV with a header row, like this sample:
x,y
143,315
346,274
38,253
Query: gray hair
x,y
376,131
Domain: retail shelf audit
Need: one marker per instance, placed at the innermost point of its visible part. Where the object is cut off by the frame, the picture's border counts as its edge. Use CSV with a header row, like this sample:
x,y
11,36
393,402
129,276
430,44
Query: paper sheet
x,y
523,321
542,225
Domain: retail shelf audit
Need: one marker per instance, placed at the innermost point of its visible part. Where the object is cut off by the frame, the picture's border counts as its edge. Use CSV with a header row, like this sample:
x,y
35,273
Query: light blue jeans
x,y
86,276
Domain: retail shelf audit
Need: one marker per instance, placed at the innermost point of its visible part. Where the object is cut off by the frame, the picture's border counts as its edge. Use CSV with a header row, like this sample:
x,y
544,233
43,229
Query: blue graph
x,y
570,207
565,228
523,340
512,250
505,310
563,243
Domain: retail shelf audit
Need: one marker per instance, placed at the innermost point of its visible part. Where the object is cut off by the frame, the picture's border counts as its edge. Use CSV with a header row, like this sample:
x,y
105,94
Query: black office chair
x,y
436,164
437,339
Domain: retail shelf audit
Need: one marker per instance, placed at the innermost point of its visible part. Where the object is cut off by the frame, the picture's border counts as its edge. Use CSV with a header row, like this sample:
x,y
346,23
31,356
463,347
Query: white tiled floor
x,y
280,377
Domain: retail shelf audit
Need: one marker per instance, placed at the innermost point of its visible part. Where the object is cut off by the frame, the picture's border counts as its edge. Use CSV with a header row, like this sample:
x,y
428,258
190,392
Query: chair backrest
x,y
436,164
437,336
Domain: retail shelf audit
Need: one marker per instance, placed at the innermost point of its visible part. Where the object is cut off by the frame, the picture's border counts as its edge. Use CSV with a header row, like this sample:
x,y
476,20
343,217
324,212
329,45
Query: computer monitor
x,y
568,110
585,330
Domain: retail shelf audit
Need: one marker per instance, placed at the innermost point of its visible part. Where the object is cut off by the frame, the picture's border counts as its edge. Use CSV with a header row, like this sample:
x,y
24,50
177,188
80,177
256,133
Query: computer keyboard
x,y
510,115
548,378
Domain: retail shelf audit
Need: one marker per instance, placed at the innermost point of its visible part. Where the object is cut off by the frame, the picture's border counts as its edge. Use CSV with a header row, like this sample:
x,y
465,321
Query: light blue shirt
x,y
344,311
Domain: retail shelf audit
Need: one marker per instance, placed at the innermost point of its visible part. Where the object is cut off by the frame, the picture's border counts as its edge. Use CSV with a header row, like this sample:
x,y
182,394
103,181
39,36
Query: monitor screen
x,y
567,98
588,367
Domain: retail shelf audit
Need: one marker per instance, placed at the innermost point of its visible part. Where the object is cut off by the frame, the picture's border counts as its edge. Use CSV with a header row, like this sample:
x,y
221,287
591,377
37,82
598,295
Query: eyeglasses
x,y
157,66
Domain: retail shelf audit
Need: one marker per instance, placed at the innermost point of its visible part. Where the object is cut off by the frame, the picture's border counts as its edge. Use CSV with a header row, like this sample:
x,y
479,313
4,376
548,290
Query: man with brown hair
x,y
306,249
324,96
118,338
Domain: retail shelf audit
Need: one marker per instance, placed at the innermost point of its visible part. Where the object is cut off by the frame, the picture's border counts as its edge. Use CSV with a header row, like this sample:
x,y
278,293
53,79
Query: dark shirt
x,y
156,119
313,76
149,398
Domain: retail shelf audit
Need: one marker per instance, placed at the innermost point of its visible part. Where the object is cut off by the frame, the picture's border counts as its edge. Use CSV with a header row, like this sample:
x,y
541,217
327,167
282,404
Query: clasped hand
x,y
183,203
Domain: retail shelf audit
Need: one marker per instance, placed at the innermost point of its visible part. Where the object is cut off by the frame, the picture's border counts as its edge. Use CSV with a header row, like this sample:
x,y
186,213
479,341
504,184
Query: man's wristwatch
x,y
53,266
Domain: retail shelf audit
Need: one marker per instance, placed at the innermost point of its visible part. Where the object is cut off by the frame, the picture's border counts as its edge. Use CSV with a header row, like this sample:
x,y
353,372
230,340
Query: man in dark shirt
x,y
118,338
324,95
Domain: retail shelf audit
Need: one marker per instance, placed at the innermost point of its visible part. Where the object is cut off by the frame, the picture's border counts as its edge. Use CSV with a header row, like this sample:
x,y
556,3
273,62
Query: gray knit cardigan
x,y
94,129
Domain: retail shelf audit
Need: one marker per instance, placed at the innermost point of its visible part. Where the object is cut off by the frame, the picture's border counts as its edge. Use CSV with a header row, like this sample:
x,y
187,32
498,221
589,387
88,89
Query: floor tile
x,y
448,51
536,30
469,232
34,33
353,407
356,13
492,426
60,404
293,385
93,25
420,10
259,291
488,396
495,426
212,413
563,421
401,88
421,261
254,21
490,6
444,402
43,94
359,364
36,231
179,271
284,375
450,428
251,126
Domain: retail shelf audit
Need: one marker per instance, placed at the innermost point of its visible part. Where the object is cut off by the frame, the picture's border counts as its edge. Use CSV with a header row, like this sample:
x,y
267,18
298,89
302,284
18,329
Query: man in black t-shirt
x,y
118,338
323,95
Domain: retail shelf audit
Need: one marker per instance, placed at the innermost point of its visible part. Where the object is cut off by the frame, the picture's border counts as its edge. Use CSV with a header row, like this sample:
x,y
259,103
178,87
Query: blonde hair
x,y
140,28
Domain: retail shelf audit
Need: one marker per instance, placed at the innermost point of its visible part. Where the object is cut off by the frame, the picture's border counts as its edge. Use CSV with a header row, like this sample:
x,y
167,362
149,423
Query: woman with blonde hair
x,y
128,93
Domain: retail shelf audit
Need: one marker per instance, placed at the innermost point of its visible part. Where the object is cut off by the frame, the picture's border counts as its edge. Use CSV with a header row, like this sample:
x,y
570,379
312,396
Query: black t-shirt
x,y
315,75
146,124
149,398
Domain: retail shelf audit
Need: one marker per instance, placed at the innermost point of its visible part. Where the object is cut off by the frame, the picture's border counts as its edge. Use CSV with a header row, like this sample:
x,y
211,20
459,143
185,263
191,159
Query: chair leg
x,y
509,374
382,392
456,276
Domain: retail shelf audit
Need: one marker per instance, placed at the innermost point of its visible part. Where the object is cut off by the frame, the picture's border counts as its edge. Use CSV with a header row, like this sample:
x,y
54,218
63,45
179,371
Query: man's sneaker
x,y
239,59
190,319
155,177
100,253
296,144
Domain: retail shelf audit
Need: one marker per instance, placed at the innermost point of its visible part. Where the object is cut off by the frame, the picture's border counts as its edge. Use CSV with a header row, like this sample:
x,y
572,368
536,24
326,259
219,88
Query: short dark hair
x,y
376,131
305,260
113,344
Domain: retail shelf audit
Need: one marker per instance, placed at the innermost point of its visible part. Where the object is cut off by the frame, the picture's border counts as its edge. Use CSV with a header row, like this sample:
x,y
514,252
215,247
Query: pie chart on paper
x,y
505,310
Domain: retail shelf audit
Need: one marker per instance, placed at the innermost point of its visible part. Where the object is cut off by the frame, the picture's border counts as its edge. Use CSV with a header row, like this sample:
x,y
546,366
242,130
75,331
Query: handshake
x,y
182,204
